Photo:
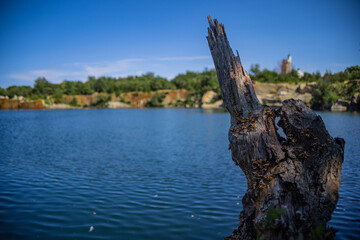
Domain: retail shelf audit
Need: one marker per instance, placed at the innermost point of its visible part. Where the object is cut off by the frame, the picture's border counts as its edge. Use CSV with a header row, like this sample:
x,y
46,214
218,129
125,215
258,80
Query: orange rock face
x,y
174,95
13,104
133,99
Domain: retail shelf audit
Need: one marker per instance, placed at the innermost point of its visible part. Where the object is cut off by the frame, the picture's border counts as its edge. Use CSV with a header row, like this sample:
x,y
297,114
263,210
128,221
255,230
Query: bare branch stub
x,y
293,182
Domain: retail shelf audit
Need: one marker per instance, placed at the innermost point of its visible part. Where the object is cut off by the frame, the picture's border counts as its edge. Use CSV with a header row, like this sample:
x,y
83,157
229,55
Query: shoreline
x,y
270,94
206,110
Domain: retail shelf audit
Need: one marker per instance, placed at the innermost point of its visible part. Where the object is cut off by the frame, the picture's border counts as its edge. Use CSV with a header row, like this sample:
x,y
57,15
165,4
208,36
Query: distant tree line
x,y
267,76
328,89
194,81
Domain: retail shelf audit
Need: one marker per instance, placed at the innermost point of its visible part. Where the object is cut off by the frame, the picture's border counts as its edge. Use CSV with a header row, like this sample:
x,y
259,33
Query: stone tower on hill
x,y
286,65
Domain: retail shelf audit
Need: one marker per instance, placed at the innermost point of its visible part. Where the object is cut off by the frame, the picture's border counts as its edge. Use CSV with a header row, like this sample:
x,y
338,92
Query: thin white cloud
x,y
119,68
339,65
54,75
182,58
110,68
25,77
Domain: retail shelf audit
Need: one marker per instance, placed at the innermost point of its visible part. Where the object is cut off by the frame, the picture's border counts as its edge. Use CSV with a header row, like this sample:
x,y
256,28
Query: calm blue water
x,y
146,173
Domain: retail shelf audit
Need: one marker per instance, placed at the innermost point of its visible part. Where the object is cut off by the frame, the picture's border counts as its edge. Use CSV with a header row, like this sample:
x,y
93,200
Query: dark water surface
x,y
146,173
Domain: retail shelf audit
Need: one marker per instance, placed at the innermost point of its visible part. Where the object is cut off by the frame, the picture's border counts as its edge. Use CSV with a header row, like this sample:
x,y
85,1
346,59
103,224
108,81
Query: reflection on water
x,y
136,174
214,110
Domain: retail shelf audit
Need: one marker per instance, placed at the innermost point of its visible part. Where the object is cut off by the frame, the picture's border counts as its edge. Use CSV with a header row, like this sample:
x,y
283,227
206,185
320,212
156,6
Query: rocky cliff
x,y
271,94
20,103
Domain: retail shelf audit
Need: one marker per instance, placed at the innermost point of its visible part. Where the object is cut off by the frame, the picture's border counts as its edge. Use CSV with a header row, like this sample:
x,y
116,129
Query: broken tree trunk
x,y
293,182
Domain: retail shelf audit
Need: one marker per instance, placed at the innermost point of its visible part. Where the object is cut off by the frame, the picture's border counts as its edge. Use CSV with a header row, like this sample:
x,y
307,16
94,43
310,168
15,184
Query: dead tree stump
x,y
293,182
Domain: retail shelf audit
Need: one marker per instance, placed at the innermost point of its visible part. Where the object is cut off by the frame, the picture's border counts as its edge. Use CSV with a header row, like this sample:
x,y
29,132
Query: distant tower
x,y
286,65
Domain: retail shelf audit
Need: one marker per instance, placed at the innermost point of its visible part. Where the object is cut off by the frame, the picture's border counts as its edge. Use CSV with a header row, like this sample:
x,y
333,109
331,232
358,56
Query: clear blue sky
x,y
61,39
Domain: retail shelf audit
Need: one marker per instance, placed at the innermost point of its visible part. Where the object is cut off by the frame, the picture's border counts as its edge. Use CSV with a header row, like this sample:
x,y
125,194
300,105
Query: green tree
x,y
190,81
255,69
58,96
43,87
24,91
100,85
323,93
70,88
209,80
156,100
85,88
3,92
102,102
308,77
354,71
74,102
346,90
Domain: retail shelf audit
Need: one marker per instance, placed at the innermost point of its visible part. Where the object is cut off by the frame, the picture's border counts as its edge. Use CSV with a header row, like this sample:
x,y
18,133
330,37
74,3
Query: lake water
x,y
137,174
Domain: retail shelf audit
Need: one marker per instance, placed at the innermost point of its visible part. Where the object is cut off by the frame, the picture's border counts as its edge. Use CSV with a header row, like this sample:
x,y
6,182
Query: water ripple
x,y
136,174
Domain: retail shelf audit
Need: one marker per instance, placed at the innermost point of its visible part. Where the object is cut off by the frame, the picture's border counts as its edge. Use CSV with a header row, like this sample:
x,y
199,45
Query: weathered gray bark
x,y
293,182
